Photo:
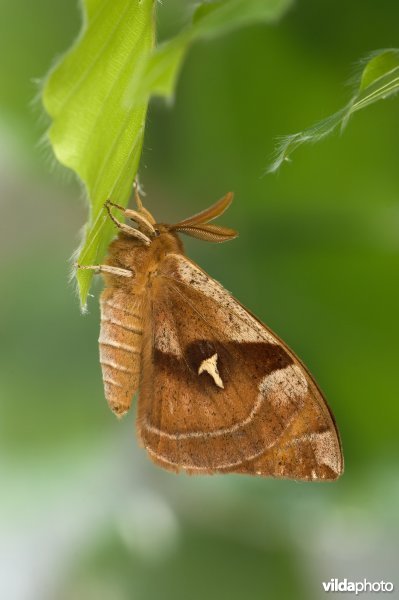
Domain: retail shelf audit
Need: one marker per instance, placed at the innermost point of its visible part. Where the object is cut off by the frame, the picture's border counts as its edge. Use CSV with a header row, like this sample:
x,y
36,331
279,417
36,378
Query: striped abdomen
x,y
120,342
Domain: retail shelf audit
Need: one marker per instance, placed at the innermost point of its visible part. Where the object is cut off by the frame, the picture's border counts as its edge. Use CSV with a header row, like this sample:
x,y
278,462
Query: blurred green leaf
x,y
98,94
378,80
209,20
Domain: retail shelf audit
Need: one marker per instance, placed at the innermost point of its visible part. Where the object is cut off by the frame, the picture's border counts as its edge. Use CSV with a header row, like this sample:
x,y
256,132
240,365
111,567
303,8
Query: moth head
x,y
198,225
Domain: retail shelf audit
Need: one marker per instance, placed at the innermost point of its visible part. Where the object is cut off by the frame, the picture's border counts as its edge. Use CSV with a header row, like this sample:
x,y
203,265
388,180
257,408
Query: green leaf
x,y
210,19
379,79
97,97
96,129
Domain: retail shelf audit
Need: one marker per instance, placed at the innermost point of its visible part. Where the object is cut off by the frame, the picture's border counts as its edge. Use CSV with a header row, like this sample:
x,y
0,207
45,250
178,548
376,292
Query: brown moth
x,y
219,392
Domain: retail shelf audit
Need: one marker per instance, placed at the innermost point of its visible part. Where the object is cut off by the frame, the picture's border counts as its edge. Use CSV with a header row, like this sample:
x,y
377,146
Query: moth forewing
x,y
223,393
219,391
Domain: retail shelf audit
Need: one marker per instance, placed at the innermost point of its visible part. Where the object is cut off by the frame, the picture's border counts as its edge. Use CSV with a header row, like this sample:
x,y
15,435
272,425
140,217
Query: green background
x,y
83,512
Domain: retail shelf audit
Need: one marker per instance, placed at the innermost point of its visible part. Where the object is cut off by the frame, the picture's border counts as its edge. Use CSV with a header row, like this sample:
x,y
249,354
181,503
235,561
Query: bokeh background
x,y
84,514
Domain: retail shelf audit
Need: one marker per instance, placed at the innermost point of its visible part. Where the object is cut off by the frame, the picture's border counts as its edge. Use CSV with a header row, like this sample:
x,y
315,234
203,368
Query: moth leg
x,y
139,235
140,206
107,269
140,219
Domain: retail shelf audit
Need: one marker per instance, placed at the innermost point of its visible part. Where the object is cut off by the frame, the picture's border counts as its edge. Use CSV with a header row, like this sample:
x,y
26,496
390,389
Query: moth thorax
x,y
168,242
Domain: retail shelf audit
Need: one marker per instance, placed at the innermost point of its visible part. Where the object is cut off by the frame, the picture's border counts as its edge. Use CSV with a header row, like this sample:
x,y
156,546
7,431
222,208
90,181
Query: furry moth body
x,y
219,392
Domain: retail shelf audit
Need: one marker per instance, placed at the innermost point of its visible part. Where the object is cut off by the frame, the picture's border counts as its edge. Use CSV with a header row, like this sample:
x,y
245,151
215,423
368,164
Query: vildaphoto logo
x,y
343,585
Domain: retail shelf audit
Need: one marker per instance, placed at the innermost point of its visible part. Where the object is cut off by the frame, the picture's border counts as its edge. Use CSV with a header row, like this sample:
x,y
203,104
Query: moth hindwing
x,y
219,392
